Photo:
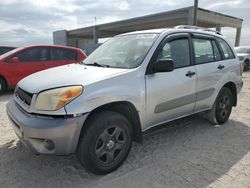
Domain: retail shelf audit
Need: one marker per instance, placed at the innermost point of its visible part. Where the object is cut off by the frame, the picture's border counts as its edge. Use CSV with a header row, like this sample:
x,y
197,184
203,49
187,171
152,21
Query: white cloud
x,y
219,4
123,5
66,6
41,18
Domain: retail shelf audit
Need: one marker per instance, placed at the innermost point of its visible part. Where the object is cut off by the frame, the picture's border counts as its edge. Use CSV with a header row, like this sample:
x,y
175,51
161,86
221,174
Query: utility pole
x,y
195,12
95,33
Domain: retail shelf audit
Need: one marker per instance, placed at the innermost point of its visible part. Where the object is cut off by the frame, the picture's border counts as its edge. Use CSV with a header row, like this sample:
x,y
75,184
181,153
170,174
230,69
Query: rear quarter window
x,y
226,49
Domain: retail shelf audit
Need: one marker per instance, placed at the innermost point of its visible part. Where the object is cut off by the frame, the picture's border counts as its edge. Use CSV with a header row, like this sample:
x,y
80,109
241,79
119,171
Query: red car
x,y
23,61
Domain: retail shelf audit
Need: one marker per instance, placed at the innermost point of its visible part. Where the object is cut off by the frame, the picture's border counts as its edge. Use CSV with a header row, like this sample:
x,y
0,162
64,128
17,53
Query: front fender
x,y
109,91
93,103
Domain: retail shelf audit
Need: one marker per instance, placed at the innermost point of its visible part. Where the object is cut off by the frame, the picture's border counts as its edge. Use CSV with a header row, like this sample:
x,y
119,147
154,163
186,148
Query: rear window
x,y
62,54
226,49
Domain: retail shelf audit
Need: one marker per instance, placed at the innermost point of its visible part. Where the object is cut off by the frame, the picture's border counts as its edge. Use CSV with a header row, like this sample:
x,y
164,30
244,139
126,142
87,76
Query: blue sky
x,y
24,22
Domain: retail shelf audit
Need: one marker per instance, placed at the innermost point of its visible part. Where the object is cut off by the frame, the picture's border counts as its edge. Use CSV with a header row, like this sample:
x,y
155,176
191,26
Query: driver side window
x,y
178,51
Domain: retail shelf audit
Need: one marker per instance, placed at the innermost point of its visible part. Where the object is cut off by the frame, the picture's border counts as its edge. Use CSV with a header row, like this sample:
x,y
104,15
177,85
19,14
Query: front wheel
x,y
222,107
105,143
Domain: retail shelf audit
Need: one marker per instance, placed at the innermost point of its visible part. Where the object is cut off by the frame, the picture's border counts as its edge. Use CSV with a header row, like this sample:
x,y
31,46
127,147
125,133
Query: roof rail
x,y
197,28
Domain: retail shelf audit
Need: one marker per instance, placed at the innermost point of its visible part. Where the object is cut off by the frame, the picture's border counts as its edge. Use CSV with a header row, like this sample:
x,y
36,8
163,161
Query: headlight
x,y
55,99
241,58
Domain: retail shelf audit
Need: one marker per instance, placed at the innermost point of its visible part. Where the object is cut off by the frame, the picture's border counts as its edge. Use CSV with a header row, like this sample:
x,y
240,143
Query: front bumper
x,y
45,135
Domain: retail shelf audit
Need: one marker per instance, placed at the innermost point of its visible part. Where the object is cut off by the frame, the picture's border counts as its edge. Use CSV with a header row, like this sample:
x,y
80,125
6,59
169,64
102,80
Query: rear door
x,y
211,68
31,60
61,56
171,94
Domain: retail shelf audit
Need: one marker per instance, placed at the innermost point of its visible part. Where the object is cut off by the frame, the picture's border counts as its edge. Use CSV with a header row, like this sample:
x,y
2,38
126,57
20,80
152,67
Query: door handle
x,y
190,74
221,67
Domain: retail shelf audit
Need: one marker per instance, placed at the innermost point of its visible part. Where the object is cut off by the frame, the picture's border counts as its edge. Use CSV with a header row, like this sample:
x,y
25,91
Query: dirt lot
x,y
187,153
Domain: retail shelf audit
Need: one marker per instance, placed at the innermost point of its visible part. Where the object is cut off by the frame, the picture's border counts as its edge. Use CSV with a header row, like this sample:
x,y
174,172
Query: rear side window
x,y
62,54
205,51
178,50
227,51
32,55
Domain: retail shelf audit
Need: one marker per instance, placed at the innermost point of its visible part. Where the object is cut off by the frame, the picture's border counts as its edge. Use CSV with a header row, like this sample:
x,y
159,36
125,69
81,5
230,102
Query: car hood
x,y
73,74
242,54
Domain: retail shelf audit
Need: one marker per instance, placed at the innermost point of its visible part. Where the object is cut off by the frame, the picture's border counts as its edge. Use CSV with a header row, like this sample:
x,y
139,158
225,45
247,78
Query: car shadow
x,y
186,153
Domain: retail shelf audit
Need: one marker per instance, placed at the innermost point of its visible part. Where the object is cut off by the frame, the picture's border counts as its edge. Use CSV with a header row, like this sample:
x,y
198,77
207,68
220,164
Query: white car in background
x,y
243,52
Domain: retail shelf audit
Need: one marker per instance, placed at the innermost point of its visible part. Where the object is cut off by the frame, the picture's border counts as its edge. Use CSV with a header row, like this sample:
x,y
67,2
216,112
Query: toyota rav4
x,y
131,83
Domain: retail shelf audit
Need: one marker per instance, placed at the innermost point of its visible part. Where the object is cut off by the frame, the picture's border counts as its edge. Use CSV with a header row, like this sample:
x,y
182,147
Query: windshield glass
x,y
243,50
125,51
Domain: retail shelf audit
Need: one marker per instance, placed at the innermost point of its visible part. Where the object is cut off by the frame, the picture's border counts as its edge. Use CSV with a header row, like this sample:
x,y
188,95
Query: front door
x,y
171,94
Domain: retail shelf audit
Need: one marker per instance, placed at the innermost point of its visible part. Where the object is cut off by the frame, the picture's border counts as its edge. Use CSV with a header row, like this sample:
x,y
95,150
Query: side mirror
x,y
15,60
164,65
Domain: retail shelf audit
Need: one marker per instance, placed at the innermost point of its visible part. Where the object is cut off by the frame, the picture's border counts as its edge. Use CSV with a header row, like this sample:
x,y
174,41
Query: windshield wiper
x,y
96,64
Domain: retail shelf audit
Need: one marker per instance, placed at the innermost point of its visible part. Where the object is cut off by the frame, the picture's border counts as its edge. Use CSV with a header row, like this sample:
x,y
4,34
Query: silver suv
x,y
133,82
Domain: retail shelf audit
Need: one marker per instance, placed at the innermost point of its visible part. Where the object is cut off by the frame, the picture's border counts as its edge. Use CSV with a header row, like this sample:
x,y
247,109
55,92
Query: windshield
x,y
243,50
125,51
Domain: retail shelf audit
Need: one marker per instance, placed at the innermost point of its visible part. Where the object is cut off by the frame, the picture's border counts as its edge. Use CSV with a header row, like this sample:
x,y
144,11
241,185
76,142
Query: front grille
x,y
24,96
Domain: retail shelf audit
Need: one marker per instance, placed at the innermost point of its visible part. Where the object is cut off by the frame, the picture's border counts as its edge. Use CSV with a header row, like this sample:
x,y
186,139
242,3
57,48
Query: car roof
x,y
31,46
44,45
156,31
174,30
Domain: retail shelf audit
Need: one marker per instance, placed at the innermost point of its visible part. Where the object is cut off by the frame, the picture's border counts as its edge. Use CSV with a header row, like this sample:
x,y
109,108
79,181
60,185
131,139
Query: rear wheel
x,y
247,64
2,85
105,143
222,107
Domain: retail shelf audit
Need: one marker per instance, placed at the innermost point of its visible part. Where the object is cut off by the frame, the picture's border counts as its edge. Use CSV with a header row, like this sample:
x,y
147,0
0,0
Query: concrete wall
x,y
60,37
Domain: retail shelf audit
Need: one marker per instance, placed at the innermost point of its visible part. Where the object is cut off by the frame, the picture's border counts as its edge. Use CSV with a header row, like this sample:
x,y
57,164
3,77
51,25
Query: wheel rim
x,y
224,106
110,144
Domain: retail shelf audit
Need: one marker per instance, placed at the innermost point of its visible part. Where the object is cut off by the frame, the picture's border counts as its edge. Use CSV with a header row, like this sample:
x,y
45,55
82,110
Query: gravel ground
x,y
185,153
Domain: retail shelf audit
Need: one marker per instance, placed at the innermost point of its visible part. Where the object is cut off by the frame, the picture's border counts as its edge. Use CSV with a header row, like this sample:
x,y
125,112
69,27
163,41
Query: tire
x,y
105,143
2,85
222,107
247,64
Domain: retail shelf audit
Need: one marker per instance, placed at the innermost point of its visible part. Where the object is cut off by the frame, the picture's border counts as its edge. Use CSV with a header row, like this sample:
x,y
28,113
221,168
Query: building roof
x,y
183,16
